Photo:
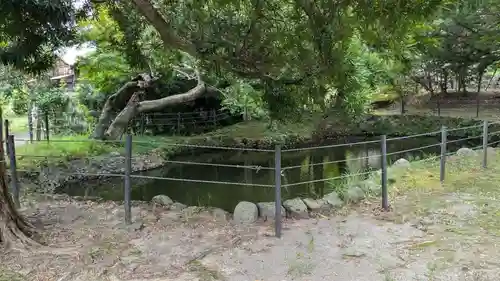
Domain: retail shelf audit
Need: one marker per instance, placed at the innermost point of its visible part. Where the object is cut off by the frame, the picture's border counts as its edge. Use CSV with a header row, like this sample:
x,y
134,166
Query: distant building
x,y
63,72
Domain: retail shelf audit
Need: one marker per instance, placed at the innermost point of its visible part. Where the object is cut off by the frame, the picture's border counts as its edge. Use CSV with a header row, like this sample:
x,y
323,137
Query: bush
x,y
20,102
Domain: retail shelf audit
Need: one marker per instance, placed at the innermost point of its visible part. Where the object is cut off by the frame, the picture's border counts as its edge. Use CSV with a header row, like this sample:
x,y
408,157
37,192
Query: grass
x,y
467,111
460,213
62,149
466,204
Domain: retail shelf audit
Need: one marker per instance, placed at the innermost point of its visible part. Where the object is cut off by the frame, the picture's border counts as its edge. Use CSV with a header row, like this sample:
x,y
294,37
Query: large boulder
x,y
354,194
267,210
176,206
316,205
296,208
333,199
401,163
464,151
162,200
369,186
245,213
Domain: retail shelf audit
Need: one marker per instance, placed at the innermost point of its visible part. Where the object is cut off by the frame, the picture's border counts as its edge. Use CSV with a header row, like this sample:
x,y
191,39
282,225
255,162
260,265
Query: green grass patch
x,y
265,130
62,149
467,201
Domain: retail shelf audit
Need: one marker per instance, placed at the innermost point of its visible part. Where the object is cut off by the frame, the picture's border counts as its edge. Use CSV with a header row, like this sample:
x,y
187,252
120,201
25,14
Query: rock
x,y
464,151
245,213
162,200
316,204
114,154
371,187
354,194
403,163
220,215
191,211
296,208
391,178
267,210
176,206
333,199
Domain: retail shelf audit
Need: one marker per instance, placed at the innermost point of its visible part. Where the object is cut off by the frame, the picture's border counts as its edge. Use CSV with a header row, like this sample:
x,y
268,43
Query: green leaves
x,y
31,30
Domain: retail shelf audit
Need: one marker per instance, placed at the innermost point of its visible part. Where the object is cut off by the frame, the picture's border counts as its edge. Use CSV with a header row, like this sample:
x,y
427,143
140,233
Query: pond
x,y
219,179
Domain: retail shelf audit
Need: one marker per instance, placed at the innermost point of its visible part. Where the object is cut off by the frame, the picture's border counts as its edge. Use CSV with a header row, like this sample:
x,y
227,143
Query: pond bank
x,y
247,135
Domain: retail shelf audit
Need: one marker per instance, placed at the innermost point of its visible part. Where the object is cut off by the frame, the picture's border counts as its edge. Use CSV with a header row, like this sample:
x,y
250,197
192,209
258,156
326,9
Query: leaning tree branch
x,y
164,28
135,106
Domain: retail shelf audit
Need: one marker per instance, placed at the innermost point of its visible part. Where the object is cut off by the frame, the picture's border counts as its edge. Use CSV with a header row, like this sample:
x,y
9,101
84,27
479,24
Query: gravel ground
x,y
88,241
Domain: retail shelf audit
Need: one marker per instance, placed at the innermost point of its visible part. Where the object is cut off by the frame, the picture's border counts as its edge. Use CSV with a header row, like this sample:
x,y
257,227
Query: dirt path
x,y
436,232
88,241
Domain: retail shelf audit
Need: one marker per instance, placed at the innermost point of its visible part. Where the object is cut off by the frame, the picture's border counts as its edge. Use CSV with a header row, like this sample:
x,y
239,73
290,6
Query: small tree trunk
x,y
429,83
339,100
480,80
444,82
38,125
402,104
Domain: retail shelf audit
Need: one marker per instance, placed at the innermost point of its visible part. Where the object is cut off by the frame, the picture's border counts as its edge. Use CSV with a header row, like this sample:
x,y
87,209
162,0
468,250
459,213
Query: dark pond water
x,y
212,185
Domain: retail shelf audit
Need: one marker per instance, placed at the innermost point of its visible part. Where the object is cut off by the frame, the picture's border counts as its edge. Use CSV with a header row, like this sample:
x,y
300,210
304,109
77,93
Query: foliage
x,y
462,42
31,30
242,98
104,71
51,100
20,101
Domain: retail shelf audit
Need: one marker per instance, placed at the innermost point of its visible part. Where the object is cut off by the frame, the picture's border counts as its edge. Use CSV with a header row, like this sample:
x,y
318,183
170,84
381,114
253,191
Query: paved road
x,y
21,139
21,136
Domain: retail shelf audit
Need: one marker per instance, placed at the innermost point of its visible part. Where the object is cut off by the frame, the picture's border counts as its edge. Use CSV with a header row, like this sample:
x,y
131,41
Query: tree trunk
x,y
444,82
429,83
479,81
112,104
38,125
339,100
14,229
403,101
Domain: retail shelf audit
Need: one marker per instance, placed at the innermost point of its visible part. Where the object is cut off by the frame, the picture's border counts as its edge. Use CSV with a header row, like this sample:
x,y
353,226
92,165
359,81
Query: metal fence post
x,y
277,191
13,170
385,197
442,169
47,129
128,170
485,144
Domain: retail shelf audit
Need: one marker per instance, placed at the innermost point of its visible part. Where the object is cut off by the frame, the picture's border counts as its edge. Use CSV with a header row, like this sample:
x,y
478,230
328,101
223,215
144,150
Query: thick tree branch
x,y
135,106
167,33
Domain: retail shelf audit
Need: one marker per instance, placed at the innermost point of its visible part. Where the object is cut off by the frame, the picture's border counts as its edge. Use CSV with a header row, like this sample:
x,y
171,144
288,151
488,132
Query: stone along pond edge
x,y
301,208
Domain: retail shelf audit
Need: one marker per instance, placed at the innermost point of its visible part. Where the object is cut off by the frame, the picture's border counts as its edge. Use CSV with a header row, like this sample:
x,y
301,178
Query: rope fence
x,y
279,174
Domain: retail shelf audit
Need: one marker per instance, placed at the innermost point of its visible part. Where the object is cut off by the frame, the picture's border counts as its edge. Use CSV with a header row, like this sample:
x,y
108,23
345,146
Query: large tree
x,y
278,43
